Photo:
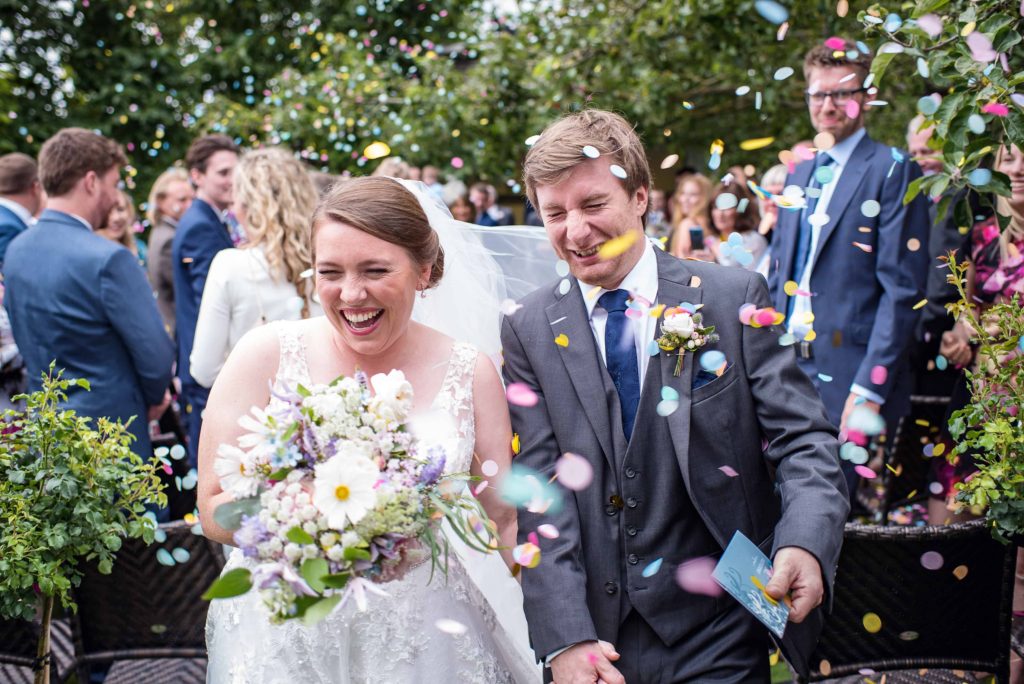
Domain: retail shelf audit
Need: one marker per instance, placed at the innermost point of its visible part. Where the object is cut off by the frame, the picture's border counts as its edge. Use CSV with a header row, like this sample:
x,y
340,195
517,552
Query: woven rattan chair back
x,y
906,478
147,609
919,597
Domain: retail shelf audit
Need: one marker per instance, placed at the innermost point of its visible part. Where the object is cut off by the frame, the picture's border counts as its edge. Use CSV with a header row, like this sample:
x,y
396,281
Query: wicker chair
x,y
906,453
148,611
18,641
929,618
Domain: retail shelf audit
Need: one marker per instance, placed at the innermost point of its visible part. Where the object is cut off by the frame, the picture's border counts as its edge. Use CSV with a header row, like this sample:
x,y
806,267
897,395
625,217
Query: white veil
x,y
484,267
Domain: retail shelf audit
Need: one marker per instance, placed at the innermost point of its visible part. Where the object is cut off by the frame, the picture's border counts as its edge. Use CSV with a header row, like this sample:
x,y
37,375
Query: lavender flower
x,y
251,533
435,466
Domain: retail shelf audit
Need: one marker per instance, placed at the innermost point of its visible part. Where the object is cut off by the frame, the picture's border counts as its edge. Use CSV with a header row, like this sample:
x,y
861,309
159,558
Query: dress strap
x,y
292,367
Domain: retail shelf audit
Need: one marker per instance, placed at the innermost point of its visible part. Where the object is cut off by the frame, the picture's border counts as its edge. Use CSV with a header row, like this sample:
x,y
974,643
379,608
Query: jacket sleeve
x,y
554,594
198,248
130,307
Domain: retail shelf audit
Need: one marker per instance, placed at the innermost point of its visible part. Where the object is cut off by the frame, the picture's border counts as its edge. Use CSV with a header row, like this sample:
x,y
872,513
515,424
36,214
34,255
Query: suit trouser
x,y
731,647
193,403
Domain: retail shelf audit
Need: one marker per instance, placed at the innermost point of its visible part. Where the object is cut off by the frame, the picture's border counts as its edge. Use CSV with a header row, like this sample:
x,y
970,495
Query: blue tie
x,y
620,356
803,244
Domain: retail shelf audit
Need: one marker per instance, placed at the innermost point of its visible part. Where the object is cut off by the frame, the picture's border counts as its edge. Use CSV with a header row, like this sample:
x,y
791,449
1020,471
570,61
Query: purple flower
x,y
251,533
434,468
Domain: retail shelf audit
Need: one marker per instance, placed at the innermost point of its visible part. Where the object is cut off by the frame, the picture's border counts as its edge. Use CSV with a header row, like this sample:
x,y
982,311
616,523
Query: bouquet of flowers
x,y
333,494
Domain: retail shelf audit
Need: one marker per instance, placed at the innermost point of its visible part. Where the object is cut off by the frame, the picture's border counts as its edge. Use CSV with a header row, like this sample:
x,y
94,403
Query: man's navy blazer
x,y
868,275
10,227
83,301
200,235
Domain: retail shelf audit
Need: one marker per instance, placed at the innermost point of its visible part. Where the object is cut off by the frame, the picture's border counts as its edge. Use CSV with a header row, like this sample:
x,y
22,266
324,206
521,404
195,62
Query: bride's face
x,y
367,286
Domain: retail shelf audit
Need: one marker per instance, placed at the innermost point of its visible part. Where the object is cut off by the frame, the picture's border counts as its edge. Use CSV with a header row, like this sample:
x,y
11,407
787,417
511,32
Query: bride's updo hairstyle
x,y
381,207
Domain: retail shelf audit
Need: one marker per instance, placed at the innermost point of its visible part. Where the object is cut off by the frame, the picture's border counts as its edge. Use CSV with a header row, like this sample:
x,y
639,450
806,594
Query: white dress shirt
x,y
642,281
21,212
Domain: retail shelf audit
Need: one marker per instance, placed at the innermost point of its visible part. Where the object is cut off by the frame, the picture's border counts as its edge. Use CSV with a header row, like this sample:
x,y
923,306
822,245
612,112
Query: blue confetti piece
x,y
824,378
159,536
787,339
979,177
688,307
177,452
976,123
1020,343
180,555
669,394
771,11
164,557
715,161
652,348
893,22
891,169
712,360
896,154
927,105
863,48
652,569
941,362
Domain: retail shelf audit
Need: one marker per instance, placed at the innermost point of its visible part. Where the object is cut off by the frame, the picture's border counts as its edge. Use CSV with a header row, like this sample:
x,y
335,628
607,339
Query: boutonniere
x,y
683,331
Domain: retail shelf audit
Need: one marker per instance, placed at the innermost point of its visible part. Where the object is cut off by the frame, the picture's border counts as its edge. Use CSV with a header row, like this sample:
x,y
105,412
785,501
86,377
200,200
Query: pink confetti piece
x,y
728,470
747,312
519,394
862,247
765,317
533,538
930,24
489,468
835,43
865,472
981,47
694,576
879,375
996,108
548,531
457,162
480,487
574,471
931,560
635,314
852,109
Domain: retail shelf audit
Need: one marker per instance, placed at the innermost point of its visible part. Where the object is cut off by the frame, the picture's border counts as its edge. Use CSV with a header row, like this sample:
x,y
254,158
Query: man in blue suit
x,y
82,301
21,197
850,266
202,232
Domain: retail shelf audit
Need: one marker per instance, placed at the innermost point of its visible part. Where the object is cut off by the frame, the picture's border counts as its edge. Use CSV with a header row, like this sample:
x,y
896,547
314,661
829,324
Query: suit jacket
x,y
83,301
10,227
200,235
790,493
864,297
160,267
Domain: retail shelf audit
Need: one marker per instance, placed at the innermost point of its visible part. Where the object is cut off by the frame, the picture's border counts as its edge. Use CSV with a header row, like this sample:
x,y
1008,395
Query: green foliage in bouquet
x,y
991,426
69,492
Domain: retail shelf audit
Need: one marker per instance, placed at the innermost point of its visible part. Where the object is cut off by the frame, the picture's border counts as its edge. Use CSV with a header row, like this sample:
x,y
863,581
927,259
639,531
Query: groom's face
x,y
586,210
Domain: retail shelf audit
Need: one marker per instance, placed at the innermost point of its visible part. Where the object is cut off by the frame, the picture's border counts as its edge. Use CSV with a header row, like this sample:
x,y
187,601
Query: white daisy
x,y
343,487
234,469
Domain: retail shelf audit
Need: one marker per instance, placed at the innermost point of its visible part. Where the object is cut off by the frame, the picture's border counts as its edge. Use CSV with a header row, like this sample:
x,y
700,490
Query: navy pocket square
x,y
702,378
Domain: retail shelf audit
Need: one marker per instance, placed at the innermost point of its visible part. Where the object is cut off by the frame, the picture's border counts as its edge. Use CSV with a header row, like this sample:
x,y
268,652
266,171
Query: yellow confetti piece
x,y
911,494
376,150
515,443
808,318
895,471
968,28
764,590
872,623
617,245
864,229
790,287
773,658
922,422
191,519
656,311
562,340
920,304
960,572
939,449
717,146
593,292
756,143
810,336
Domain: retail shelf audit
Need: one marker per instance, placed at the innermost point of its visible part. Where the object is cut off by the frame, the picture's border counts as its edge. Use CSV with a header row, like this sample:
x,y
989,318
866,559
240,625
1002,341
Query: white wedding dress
x,y
397,639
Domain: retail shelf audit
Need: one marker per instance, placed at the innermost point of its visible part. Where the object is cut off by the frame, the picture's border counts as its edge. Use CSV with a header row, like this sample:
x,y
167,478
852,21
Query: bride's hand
x,y
409,556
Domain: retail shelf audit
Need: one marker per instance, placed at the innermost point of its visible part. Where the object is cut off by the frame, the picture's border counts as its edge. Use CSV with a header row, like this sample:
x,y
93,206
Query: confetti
x,y
376,150
457,162
870,208
591,151
931,560
574,471
824,175
694,576
527,555
515,443
852,109
743,90
835,43
449,626
824,378
509,307
920,304
158,629
872,623
790,287
879,374
823,141
164,557
930,24
976,123
618,171
180,555
861,246
532,140
771,11
483,484
712,361
979,177
617,245
981,47
726,201
669,161
909,635
669,401
548,531
747,311
728,471
865,472
996,108
825,668
489,468
652,569
562,340
564,286
783,73
519,394
960,572
756,143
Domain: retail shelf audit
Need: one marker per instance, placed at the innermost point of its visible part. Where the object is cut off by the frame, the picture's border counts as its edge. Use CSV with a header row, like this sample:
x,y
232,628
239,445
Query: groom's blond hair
x,y
559,150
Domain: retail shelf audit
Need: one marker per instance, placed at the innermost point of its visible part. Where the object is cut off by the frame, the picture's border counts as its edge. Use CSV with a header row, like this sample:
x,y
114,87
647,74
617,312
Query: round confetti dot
x,y
976,123
743,90
865,472
870,208
783,73
564,286
711,361
825,668
747,311
161,452
548,531
853,453
159,536
562,268
562,340
164,557
852,109
872,623
913,244
790,287
879,375
574,471
449,626
666,407
457,162
931,560
960,572
489,468
618,171
180,555
935,488
927,105
519,394
824,175
824,141
591,151
726,201
695,577
979,177
771,11
527,555
177,452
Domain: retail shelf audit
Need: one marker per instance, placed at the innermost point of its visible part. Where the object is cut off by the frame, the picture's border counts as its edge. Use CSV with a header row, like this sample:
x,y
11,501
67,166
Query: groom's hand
x,y
797,573
586,663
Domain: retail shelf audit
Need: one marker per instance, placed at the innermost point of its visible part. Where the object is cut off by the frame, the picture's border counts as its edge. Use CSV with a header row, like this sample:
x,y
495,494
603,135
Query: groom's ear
x,y
641,196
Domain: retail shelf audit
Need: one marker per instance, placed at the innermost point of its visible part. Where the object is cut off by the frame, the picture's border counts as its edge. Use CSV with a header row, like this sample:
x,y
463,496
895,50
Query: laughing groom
x,y
747,447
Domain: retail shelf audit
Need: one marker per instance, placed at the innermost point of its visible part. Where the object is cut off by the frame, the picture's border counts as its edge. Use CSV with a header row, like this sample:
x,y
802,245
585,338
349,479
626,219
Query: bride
x,y
374,253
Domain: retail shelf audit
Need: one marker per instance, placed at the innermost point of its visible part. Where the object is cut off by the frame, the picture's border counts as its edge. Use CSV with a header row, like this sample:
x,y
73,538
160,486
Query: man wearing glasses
x,y
850,263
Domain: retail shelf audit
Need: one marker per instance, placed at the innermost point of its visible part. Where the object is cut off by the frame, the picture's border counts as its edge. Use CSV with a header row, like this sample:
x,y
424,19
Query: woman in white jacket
x,y
262,281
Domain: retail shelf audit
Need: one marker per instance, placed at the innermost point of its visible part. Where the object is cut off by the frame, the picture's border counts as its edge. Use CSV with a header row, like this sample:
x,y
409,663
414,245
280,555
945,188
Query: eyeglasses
x,y
839,97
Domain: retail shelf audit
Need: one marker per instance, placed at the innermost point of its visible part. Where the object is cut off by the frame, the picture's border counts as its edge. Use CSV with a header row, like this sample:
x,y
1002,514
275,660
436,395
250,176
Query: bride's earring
x,y
423,293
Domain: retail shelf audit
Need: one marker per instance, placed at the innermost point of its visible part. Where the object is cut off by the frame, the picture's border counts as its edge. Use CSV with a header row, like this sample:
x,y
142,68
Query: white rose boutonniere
x,y
683,331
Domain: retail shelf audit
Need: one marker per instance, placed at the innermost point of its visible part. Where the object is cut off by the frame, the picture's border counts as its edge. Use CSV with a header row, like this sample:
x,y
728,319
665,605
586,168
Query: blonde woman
x,y
120,224
274,199
691,218
170,196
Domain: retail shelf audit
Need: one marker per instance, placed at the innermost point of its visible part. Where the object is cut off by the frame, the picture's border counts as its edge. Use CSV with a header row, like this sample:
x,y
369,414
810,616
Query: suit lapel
x,y
568,316
674,289
787,232
849,181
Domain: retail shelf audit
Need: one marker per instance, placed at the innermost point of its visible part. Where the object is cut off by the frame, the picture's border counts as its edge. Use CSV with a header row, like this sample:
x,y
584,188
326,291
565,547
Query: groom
x,y
747,448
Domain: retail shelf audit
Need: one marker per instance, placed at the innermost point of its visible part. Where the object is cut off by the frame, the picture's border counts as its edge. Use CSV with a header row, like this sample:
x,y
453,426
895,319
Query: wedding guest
x,y
734,211
265,280
773,181
169,198
392,167
202,232
81,301
691,218
996,275
432,179
658,224
462,209
119,225
484,198
21,197
855,260
13,380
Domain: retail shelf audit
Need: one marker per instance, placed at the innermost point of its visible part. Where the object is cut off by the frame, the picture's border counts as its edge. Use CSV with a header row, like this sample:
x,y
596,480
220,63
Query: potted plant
x,y
70,491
